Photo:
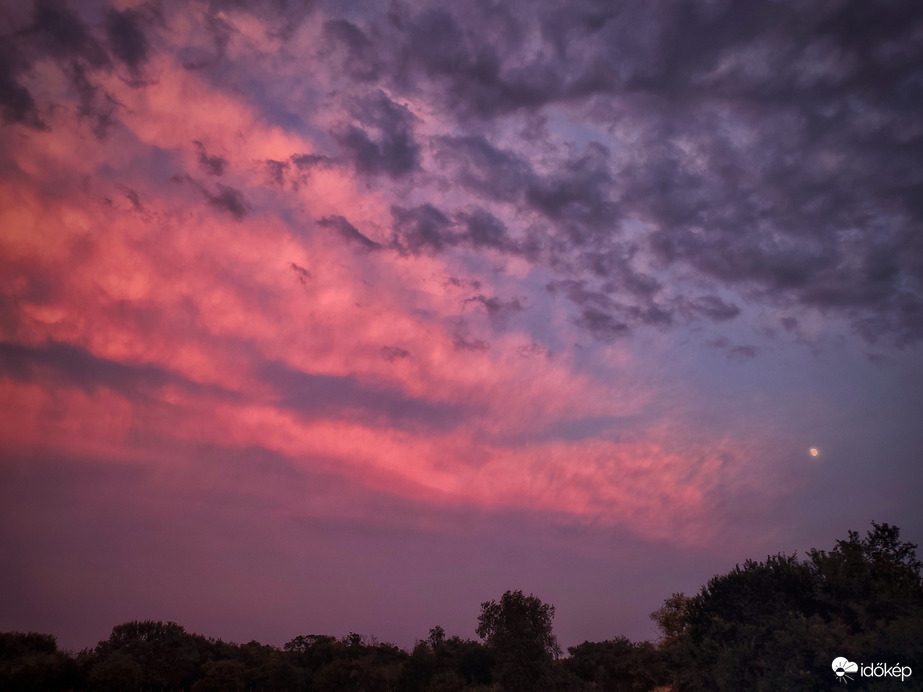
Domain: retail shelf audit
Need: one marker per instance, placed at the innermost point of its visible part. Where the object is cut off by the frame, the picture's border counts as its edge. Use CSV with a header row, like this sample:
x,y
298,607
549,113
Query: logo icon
x,y
842,666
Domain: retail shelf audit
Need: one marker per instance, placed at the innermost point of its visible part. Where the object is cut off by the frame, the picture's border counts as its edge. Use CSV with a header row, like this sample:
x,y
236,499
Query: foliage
x,y
518,629
32,662
116,672
778,624
618,665
166,654
440,663
222,676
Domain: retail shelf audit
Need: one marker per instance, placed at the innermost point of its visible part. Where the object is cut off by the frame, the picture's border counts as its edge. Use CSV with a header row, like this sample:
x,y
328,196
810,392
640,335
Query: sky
x,y
320,317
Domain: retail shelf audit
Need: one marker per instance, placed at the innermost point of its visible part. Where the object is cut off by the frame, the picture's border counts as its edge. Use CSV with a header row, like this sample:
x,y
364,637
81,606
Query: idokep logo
x,y
843,666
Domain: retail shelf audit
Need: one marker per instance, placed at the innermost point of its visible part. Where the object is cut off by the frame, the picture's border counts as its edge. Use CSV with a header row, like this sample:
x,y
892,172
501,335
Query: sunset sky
x,y
319,317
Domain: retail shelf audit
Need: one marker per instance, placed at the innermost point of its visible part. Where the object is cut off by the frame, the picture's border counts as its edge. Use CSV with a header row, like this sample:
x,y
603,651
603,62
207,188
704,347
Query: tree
x,y
436,637
118,671
670,618
32,662
419,669
474,661
518,629
314,651
618,665
777,624
168,656
873,589
222,676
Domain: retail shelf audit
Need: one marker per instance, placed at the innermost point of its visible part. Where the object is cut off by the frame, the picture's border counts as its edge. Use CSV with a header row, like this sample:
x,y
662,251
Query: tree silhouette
x,y
167,655
518,629
436,637
778,624
618,665
32,662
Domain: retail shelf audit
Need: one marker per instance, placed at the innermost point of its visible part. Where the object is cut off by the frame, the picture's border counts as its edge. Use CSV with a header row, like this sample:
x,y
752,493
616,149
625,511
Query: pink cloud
x,y
142,271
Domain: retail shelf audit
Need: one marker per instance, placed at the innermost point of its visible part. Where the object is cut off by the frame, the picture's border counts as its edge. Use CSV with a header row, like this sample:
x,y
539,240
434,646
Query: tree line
x,y
771,625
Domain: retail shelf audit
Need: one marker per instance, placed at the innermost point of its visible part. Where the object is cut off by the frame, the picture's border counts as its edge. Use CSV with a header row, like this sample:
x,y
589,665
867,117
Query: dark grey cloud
x,y
574,199
710,306
805,193
479,229
776,150
15,99
198,58
297,168
423,228
742,352
904,318
606,318
495,306
134,198
373,403
95,103
604,326
76,366
60,362
473,72
210,164
277,170
485,230
611,263
349,232
359,56
483,168
306,393
576,195
384,144
457,282
303,275
226,198
393,353
461,343
308,161
533,350
230,200
428,229
55,31
734,351
126,38
63,34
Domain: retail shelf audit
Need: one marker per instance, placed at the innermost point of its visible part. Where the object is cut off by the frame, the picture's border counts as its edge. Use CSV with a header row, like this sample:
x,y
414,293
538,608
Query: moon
x,y
813,451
